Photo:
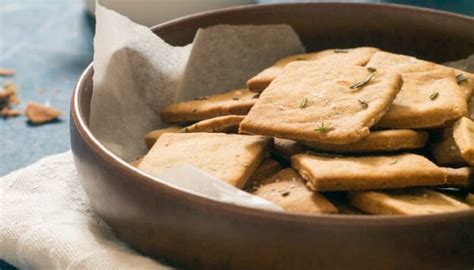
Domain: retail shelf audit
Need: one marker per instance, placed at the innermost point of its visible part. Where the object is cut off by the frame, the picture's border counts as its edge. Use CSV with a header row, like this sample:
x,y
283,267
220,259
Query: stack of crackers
x,y
352,131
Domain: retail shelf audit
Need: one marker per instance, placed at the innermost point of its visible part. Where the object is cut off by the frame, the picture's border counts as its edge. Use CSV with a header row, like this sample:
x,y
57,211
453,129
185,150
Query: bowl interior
x,y
427,34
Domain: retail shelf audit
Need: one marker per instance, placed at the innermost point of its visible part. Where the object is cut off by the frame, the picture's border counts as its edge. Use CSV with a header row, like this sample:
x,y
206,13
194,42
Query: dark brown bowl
x,y
191,231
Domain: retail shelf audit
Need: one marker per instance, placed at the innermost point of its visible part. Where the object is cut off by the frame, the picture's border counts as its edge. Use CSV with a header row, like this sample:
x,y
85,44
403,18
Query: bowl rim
x,y
200,201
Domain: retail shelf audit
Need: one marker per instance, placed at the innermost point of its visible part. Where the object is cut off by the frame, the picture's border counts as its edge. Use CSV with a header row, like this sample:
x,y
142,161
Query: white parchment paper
x,y
137,73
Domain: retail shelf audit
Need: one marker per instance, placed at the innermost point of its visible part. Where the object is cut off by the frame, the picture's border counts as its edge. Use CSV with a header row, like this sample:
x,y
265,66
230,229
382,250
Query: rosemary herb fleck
x,y
371,69
461,78
434,96
286,193
393,162
322,128
363,82
257,95
303,102
299,59
235,98
340,51
363,103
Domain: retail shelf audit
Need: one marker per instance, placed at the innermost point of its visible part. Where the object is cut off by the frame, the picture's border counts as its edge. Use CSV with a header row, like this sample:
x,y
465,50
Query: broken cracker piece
x,y
235,102
368,172
288,190
404,202
6,112
229,157
7,72
41,114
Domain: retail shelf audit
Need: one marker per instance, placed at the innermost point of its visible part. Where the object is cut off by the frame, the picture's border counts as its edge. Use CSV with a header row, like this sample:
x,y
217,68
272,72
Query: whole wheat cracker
x,y
318,102
404,202
367,172
229,157
288,190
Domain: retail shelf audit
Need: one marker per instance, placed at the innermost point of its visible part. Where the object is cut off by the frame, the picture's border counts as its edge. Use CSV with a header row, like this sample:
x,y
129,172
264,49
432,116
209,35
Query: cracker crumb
x,y
7,72
41,114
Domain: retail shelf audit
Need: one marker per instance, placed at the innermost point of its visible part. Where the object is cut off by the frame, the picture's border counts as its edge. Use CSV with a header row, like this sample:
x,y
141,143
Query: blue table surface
x,y
49,43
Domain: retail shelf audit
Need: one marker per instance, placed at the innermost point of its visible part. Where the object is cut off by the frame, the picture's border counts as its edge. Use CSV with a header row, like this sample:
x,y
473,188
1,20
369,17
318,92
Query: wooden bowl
x,y
197,233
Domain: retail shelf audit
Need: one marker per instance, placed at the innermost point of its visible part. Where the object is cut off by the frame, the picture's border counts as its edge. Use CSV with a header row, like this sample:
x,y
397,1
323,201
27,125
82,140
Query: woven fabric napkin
x,y
46,222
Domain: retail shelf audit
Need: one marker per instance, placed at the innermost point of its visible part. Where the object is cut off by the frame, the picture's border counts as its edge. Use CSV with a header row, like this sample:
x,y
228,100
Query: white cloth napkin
x,y
46,222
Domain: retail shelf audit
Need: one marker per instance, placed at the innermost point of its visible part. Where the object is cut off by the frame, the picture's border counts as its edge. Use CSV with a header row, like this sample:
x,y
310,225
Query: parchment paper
x,y
137,73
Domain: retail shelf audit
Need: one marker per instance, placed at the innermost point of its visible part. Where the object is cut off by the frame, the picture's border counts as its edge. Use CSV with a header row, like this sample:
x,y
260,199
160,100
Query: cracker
x,y
137,161
460,177
224,124
357,56
236,102
430,96
220,124
427,99
470,198
404,202
377,141
151,137
463,133
285,148
445,152
370,172
288,190
41,114
229,157
313,101
267,168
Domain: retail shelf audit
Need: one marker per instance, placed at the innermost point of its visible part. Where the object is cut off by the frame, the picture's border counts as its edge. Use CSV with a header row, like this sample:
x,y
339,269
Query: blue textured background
x,y
49,43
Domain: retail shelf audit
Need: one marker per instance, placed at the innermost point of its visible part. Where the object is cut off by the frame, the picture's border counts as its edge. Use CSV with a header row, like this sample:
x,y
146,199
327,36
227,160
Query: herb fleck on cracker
x,y
322,128
461,78
363,82
434,96
303,102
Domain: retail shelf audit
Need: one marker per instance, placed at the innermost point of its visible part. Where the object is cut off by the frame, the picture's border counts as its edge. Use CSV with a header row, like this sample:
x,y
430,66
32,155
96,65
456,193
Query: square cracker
x,y
414,107
356,56
463,133
220,124
229,157
404,202
427,99
314,101
236,102
369,172
288,190
376,141
408,64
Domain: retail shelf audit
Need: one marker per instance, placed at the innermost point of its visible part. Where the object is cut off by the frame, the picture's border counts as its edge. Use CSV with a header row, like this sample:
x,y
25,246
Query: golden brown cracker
x,y
229,157
404,202
369,172
376,141
267,168
463,133
237,102
288,190
460,177
315,102
356,56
